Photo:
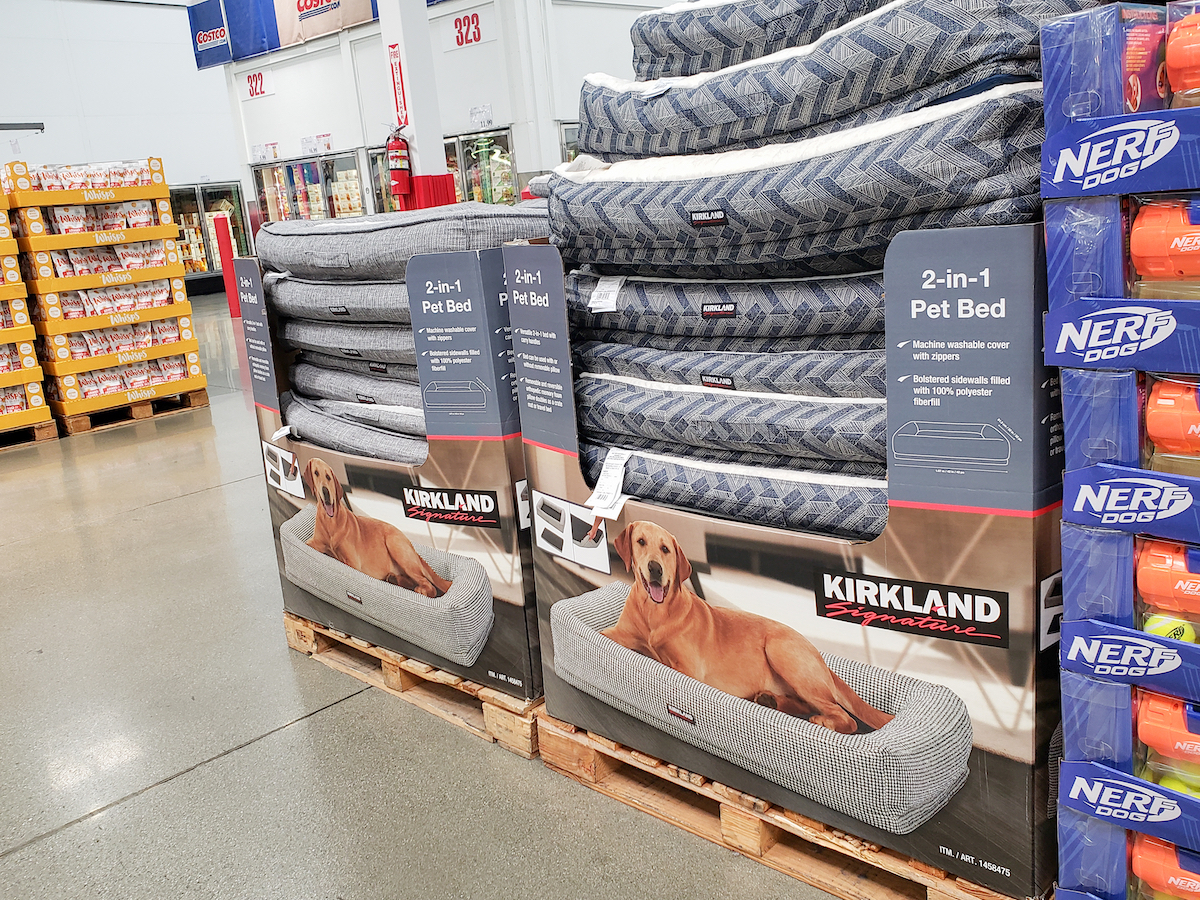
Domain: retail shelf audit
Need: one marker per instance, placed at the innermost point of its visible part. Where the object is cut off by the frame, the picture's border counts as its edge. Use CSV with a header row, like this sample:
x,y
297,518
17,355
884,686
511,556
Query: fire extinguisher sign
x,y
398,85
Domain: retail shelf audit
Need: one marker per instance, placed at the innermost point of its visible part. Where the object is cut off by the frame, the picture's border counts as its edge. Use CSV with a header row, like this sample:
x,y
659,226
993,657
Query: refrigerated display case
x,y
322,187
483,163
195,206
381,180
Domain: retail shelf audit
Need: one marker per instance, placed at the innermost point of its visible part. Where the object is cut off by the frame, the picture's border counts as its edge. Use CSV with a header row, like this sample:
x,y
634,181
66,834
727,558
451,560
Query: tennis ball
x,y
1171,783
1170,627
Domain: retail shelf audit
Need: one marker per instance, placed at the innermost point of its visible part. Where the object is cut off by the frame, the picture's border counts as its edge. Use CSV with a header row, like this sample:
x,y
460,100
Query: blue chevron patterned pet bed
x,y
671,343
757,422
707,35
828,205
761,309
759,461
834,504
903,56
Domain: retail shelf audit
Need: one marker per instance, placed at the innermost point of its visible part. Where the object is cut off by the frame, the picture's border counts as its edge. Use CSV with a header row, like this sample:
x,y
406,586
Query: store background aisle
x,y
158,738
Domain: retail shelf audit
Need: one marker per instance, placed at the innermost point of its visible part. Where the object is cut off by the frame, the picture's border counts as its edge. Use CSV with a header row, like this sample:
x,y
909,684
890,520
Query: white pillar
x,y
406,24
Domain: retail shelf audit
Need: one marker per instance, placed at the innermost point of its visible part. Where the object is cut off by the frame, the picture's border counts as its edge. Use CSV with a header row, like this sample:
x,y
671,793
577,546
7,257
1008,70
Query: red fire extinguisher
x,y
399,165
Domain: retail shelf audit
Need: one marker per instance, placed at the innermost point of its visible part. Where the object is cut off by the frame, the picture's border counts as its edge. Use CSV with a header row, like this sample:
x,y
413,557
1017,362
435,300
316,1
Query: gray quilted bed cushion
x,y
347,301
835,342
455,625
317,426
379,343
825,206
815,373
783,424
706,35
397,419
371,368
378,248
745,458
333,384
903,56
768,308
832,504
895,778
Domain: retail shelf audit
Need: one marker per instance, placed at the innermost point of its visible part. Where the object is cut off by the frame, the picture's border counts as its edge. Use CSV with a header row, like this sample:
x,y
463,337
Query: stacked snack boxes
x,y
22,401
98,249
1121,178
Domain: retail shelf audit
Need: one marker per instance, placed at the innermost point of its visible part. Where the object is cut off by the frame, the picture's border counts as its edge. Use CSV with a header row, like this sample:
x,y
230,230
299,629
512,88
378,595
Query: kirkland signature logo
x,y
1114,799
1117,152
206,40
1121,501
1113,333
1129,656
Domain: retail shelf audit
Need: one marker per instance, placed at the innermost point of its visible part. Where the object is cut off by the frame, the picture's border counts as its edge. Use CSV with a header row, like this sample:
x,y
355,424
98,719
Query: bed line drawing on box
x,y
965,445
571,532
456,394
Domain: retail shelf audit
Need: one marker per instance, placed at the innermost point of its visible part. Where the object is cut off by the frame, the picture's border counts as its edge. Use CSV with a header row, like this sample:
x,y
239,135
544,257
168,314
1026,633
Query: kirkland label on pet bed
x,y
974,420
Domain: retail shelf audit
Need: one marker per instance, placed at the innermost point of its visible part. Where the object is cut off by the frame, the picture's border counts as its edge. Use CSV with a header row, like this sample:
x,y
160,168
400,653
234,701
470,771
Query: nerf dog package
x,y
399,521
876,653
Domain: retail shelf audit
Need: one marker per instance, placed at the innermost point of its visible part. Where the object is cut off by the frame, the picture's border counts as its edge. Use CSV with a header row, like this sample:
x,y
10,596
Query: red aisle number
x,y
466,30
254,81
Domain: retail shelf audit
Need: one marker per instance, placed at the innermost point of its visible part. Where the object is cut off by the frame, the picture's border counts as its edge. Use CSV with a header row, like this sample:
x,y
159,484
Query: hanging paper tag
x,y
607,499
604,295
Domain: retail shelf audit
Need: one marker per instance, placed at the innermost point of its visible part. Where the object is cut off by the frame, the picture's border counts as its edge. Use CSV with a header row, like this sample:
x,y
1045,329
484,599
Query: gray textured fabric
x,y
770,308
327,384
378,248
895,778
319,427
399,419
824,206
813,373
904,56
380,343
672,343
455,625
346,301
876,470
842,506
371,368
783,424
686,38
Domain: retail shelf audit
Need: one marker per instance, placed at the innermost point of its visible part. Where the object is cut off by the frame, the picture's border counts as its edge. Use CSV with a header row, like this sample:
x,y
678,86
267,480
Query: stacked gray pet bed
x,y
455,625
903,773
337,289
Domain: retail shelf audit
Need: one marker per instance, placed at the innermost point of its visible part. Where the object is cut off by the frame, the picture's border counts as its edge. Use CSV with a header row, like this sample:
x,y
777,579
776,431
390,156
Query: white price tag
x,y
607,499
604,296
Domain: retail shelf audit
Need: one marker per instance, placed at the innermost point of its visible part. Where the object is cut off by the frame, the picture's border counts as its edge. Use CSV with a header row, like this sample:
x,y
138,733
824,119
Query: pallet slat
x,y
138,411
492,715
24,436
807,850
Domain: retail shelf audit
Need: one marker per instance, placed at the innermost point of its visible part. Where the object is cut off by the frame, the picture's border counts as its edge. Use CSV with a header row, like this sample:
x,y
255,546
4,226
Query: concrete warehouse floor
x,y
159,740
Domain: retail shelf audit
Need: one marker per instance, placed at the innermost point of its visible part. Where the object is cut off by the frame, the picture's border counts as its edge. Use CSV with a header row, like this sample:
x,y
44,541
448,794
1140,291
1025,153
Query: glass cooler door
x,y
343,186
185,206
274,195
381,181
305,189
490,174
227,199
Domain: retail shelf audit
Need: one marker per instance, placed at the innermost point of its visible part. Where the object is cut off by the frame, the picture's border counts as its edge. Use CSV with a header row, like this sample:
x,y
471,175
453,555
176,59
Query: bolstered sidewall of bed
x,y
948,620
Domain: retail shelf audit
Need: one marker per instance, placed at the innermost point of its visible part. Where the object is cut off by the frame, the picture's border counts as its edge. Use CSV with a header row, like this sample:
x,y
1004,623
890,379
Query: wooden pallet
x,y
133,412
29,434
803,848
485,712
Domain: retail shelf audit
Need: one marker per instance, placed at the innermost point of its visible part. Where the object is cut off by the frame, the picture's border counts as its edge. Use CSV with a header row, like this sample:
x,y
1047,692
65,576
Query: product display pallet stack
x,y
99,255
1122,228
24,413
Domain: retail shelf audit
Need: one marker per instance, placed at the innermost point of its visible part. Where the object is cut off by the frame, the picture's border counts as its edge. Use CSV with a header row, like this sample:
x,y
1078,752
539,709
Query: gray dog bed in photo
x,y
770,308
895,778
455,625
824,206
676,344
344,301
378,343
332,384
321,427
796,499
378,248
851,429
903,56
368,367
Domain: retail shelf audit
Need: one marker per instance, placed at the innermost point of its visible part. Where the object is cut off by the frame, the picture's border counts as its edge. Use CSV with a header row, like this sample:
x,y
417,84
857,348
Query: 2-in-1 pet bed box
x,y
332,384
455,625
724,419
895,778
693,344
937,443
813,373
903,56
455,395
824,206
707,35
344,301
375,343
370,367
823,502
309,422
766,309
